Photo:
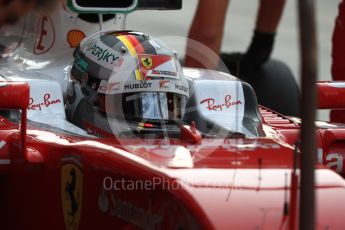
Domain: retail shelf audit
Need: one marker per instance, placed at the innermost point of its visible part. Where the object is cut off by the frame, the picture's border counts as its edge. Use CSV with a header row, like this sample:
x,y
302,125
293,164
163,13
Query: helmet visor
x,y
153,106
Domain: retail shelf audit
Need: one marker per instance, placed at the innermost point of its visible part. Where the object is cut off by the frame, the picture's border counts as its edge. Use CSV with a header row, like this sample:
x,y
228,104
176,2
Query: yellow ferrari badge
x,y
147,62
71,194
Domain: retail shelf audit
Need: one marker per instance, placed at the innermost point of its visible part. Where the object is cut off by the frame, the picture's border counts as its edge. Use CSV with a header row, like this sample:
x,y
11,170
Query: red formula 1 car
x,y
231,164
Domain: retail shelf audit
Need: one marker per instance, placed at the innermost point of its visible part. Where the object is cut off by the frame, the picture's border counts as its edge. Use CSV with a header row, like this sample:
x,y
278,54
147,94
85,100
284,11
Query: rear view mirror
x,y
16,95
102,6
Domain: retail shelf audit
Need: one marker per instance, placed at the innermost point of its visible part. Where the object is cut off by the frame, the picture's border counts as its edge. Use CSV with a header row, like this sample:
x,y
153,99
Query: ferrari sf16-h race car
x,y
193,149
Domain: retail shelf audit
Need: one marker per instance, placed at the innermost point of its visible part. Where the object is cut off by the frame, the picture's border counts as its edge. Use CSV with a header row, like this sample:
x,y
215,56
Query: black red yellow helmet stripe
x,y
137,45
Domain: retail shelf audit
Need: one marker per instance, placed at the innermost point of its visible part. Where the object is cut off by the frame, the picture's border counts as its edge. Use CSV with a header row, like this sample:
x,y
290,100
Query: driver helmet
x,y
125,81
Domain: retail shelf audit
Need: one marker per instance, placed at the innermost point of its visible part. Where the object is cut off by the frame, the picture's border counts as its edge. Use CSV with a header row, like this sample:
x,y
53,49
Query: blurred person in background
x,y
267,76
208,27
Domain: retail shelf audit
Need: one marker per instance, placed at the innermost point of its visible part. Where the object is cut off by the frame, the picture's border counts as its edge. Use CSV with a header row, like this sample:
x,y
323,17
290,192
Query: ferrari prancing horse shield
x,y
71,194
147,62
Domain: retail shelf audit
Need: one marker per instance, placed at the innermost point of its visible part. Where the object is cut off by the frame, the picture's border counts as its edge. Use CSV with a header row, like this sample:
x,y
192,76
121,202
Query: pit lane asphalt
x,y
238,31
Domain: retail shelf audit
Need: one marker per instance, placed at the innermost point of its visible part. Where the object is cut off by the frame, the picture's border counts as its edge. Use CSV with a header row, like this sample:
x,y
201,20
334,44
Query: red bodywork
x,y
63,181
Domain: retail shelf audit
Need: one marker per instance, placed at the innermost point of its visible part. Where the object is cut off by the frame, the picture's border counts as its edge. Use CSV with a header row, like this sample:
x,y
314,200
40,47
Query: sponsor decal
x,y
88,44
46,35
172,86
223,106
164,84
335,161
143,85
144,218
47,102
164,73
71,194
102,53
181,88
212,106
108,88
74,37
146,62
157,66
81,64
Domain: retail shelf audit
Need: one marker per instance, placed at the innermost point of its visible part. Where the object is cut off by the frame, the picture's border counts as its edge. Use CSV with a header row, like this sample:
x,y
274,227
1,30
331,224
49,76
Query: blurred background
x,y
173,27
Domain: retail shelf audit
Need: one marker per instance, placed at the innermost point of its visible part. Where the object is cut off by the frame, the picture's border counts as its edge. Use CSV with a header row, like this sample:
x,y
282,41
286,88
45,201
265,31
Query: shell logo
x,y
74,37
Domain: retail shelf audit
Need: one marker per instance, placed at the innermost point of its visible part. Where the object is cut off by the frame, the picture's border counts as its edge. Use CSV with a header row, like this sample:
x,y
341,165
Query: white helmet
x,y
127,76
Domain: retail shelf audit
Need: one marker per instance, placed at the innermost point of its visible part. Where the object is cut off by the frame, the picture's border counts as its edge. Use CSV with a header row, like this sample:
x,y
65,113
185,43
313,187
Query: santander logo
x,y
45,35
45,103
211,104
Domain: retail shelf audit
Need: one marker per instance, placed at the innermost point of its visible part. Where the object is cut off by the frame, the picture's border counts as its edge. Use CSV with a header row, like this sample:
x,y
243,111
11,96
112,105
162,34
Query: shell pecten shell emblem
x,y
74,37
71,194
